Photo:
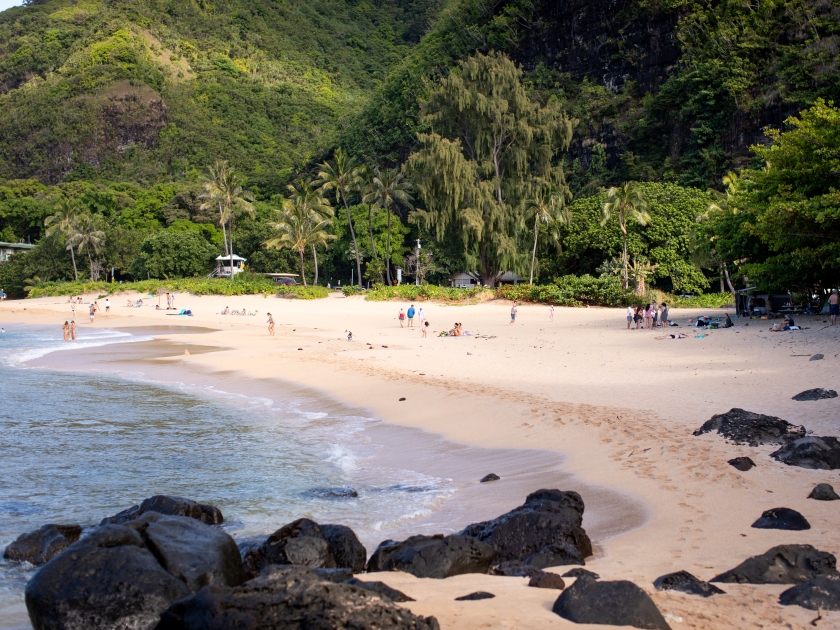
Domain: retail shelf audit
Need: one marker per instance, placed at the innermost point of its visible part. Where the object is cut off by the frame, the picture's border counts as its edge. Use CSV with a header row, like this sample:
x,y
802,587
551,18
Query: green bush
x,y
349,290
412,293
571,291
707,300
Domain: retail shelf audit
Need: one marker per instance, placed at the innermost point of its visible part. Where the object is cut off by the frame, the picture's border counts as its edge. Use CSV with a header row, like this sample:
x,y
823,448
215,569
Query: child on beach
x,y
270,325
421,316
629,316
425,329
513,313
402,318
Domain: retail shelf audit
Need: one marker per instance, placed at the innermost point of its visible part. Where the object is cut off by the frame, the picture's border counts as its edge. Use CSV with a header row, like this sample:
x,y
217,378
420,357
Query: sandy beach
x,y
618,405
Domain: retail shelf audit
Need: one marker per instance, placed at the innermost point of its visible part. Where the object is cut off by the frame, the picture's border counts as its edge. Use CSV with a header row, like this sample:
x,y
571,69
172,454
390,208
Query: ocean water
x,y
79,446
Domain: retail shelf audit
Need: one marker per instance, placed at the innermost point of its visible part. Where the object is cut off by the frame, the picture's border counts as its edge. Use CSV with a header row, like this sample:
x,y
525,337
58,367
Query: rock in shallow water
x,y
685,582
619,603
42,545
819,593
290,598
823,492
433,556
490,477
821,453
548,517
815,394
169,506
785,564
742,463
744,427
782,518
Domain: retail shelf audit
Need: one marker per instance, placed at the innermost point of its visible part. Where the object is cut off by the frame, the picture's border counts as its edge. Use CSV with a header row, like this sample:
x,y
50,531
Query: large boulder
x,y
823,492
304,542
42,545
819,593
785,564
745,427
433,556
685,582
170,506
548,517
106,580
782,518
290,598
814,452
125,576
555,556
618,603
815,394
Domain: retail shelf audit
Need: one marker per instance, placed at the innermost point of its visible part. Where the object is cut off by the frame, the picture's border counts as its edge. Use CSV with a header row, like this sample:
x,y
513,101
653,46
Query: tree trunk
x,y
625,261
73,258
302,272
315,258
224,231
90,260
230,231
534,253
388,249
731,288
370,227
353,236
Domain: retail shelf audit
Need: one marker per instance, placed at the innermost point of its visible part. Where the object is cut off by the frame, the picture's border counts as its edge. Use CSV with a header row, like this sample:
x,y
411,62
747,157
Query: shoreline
x,y
621,405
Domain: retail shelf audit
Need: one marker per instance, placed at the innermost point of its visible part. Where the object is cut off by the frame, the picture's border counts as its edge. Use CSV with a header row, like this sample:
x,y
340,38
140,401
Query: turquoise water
x,y
79,446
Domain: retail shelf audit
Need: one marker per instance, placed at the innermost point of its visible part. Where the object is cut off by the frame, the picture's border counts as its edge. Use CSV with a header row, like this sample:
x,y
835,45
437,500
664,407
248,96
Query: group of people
x,y
241,313
648,316
403,315
69,330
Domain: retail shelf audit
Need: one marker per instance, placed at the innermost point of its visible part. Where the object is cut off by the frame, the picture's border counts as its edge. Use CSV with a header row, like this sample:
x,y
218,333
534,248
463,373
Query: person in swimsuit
x,y
107,306
92,312
73,330
66,330
833,307
425,329
402,318
513,313
629,317
270,324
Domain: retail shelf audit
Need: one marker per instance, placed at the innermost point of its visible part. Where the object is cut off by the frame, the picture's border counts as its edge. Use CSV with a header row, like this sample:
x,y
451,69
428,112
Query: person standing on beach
x,y
92,311
833,307
551,312
73,308
424,329
270,325
107,306
66,330
73,330
421,316
513,310
410,314
663,315
402,318
629,316
173,300
647,316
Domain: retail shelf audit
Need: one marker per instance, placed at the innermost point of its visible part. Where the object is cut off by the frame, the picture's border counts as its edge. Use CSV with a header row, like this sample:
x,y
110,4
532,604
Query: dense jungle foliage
x,y
115,112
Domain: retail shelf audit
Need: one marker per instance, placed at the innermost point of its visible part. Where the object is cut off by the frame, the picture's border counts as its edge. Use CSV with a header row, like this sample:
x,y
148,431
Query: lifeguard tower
x,y
224,268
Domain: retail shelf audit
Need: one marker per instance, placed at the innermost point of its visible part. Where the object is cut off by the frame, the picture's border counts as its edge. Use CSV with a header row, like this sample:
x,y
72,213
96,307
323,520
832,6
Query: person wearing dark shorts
x,y
833,307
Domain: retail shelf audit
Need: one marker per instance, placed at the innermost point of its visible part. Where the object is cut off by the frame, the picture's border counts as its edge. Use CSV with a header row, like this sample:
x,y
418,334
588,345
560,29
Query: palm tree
x,y
390,190
87,237
367,188
343,177
62,223
312,199
223,189
299,228
640,270
548,208
626,202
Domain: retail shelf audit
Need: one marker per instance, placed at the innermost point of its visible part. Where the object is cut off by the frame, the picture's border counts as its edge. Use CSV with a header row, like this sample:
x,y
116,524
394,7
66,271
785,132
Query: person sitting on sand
x,y
676,336
226,311
66,330
727,323
349,335
129,303
244,311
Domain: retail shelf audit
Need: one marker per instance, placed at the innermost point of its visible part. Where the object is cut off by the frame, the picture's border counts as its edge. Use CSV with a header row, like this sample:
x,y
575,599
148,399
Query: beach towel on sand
x,y
184,311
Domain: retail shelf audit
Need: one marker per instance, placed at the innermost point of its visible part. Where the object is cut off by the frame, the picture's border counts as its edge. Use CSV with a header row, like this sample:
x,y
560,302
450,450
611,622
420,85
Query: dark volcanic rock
x,y
475,596
547,580
811,452
548,517
345,547
515,568
42,545
823,492
816,357
191,551
745,427
331,493
782,518
490,477
290,598
555,556
687,583
338,576
741,463
108,579
433,556
170,506
785,564
619,603
300,542
383,589
815,394
819,593
579,573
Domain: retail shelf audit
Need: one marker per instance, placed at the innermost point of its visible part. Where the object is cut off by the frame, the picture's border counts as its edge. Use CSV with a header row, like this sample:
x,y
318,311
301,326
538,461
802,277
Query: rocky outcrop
x,y
290,598
815,394
42,545
821,453
819,593
555,556
304,542
782,518
548,517
169,506
490,477
823,492
547,580
382,589
685,582
433,556
744,427
618,603
125,576
785,564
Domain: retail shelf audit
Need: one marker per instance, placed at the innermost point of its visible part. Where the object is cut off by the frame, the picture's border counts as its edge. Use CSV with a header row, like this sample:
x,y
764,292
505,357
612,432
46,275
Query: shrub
x,y
571,291
707,300
412,293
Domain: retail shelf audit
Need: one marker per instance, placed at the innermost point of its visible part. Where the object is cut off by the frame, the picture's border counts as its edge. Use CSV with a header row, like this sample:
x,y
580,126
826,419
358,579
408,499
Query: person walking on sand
x,y
551,312
92,311
402,318
73,308
833,307
513,310
73,330
107,306
629,316
270,323
66,330
410,314
424,329
647,317
421,316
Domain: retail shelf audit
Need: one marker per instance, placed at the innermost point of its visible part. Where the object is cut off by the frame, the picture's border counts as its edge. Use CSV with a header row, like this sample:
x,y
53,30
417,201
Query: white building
x,y
223,265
